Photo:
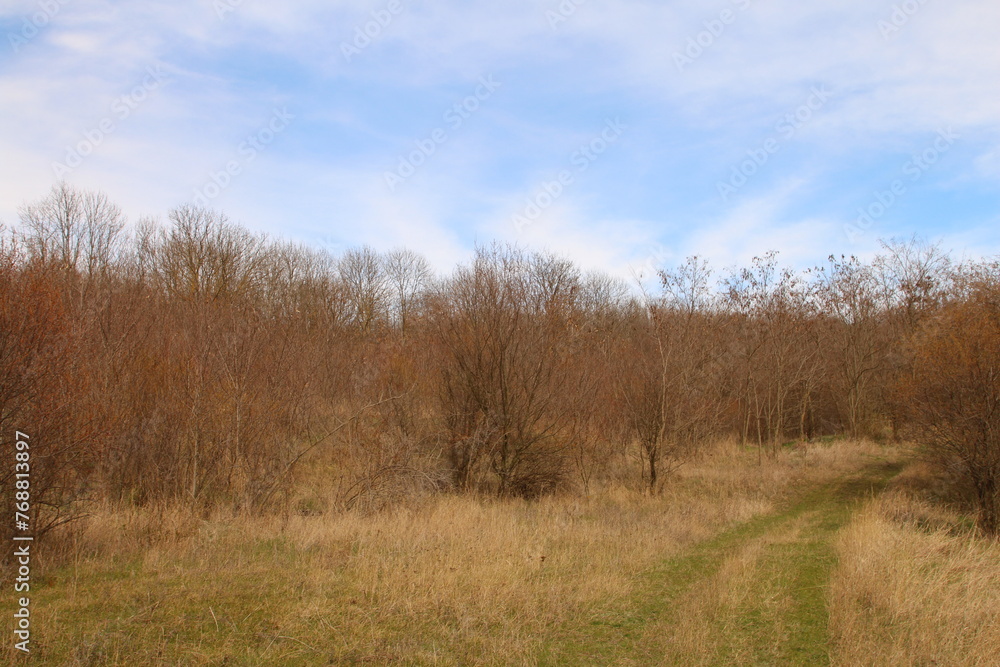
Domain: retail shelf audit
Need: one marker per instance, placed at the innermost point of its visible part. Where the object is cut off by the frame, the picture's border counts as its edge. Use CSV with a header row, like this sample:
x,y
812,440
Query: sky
x,y
625,134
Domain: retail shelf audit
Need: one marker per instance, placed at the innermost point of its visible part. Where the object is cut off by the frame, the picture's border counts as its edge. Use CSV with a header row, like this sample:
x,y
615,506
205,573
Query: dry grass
x,y
914,588
448,580
694,632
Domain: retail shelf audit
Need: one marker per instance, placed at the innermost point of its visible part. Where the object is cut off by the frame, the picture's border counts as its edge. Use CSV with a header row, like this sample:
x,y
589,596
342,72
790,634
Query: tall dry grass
x,y
447,580
914,587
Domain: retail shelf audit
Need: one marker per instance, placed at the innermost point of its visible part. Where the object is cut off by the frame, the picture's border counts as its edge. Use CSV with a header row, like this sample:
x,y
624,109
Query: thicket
x,y
197,362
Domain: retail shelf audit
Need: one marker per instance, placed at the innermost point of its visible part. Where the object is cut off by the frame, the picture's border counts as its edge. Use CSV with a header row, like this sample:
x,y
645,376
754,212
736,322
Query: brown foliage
x,y
41,381
952,390
202,363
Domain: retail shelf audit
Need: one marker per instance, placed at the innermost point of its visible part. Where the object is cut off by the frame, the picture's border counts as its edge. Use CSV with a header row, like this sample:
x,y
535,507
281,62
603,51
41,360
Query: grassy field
x,y
914,586
796,561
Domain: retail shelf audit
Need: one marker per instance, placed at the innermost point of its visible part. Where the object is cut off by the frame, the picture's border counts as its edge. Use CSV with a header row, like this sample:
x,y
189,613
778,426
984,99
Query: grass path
x,y
754,595
398,588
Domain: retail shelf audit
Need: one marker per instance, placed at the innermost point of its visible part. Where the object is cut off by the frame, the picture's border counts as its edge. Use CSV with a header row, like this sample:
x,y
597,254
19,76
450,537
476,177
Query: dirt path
x,y
754,595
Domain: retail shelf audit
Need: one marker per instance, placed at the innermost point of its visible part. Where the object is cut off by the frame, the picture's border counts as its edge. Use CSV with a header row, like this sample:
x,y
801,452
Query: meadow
x,y
825,555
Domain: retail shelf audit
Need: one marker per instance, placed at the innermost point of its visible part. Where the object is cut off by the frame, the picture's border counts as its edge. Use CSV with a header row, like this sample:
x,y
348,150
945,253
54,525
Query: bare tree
x,y
409,275
205,257
857,338
914,278
76,229
665,388
367,287
503,367
777,354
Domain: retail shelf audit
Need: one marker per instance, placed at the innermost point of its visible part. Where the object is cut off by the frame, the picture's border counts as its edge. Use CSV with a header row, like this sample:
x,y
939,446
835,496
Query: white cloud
x,y
938,69
761,224
988,165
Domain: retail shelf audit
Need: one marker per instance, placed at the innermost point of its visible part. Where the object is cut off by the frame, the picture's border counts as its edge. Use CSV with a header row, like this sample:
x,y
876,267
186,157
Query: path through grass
x,y
618,580
754,595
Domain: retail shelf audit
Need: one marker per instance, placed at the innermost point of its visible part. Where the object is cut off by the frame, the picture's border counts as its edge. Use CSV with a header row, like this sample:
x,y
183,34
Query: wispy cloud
x,y
657,188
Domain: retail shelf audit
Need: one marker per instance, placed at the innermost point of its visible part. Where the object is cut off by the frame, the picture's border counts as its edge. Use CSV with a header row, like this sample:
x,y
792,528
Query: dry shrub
x,y
383,471
952,390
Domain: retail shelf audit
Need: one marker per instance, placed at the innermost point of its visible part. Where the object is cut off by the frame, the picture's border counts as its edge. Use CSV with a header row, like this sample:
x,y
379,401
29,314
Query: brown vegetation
x,y
149,585
201,364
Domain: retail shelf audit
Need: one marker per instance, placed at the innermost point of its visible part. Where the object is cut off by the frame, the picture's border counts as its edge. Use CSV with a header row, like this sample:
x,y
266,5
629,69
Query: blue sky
x,y
623,134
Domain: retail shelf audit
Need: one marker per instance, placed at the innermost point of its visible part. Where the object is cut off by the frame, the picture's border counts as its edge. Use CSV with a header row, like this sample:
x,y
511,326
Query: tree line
x,y
198,362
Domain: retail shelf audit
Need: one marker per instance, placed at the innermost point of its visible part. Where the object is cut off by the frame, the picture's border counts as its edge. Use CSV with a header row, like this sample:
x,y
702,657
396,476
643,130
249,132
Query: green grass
x,y
194,611
782,617
754,594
